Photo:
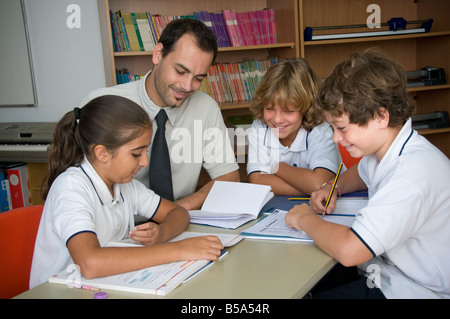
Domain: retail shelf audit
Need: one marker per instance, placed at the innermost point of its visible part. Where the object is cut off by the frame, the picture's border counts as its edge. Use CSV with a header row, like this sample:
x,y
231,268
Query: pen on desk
x,y
333,187
73,285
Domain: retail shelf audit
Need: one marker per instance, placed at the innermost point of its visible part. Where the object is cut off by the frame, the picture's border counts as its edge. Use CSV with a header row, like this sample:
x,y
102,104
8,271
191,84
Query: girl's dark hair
x,y
361,84
204,37
108,120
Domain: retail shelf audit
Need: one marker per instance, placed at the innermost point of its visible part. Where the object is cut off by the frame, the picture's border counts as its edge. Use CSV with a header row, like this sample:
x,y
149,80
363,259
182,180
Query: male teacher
x,y
195,132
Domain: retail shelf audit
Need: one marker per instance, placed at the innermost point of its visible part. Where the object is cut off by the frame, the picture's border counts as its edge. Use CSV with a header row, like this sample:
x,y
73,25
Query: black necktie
x,y
160,176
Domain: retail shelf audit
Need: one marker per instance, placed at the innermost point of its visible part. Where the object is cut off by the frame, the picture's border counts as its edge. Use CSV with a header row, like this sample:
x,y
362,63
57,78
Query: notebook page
x,y
236,198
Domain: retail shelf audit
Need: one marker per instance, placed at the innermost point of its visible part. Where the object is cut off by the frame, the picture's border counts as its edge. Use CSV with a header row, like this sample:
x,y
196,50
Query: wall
x,y
68,62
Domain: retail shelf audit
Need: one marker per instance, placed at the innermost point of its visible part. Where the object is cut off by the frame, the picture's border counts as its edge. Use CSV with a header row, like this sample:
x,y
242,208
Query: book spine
x,y
113,32
237,29
126,39
144,31
5,194
153,32
136,30
18,186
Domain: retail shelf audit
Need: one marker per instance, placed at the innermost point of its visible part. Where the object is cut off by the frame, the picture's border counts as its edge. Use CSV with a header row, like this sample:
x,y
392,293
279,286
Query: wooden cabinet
x,y
36,174
412,51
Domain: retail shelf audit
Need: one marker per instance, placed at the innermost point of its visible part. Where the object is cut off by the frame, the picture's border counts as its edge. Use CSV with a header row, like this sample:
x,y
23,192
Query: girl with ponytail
x,y
92,198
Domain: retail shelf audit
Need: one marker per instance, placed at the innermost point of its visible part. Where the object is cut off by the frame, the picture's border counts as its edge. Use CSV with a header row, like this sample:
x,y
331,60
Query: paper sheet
x,y
274,227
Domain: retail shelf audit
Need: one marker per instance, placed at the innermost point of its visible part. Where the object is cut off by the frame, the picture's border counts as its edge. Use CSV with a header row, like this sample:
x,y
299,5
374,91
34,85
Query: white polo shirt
x,y
311,150
79,201
406,224
195,132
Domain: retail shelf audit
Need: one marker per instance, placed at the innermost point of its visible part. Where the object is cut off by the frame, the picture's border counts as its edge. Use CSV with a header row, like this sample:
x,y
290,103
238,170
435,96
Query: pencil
x,y
298,198
333,187
79,286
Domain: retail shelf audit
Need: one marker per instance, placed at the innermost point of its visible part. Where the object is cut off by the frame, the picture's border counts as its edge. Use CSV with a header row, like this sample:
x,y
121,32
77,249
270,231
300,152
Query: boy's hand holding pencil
x,y
323,200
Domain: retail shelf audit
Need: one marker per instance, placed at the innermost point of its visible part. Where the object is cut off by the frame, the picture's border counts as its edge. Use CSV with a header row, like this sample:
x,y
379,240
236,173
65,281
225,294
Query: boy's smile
x,y
373,138
285,122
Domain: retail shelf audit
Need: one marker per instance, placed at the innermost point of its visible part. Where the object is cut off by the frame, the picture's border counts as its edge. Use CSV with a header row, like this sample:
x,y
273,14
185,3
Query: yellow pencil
x,y
298,198
333,187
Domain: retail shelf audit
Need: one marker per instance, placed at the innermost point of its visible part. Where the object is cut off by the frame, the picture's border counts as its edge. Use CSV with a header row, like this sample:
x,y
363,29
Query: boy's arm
x,y
336,240
279,186
348,182
303,179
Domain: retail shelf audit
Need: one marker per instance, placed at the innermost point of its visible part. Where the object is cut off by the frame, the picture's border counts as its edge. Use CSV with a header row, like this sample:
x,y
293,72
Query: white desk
x,y
253,269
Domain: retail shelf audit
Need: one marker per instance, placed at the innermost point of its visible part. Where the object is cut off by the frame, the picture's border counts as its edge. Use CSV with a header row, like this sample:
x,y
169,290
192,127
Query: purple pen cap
x,y
101,295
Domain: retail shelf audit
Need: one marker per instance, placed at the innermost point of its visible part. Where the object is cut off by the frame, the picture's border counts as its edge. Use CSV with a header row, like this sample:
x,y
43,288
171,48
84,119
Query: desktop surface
x,y
253,269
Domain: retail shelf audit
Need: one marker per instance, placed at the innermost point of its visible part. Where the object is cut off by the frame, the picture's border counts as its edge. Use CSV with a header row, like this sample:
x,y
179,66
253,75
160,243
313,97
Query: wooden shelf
x,y
428,88
224,49
133,53
235,105
413,51
258,47
433,131
380,38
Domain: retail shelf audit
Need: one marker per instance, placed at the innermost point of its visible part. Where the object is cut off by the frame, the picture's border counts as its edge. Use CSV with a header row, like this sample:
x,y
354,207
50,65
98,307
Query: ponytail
x,y
65,151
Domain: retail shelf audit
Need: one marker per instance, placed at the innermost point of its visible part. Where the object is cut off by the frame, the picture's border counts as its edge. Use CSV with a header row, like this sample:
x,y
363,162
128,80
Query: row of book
x,y
15,190
124,76
226,82
235,82
140,31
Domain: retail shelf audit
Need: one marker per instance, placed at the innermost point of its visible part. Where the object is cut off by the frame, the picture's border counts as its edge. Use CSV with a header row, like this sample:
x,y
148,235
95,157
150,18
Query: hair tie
x,y
76,112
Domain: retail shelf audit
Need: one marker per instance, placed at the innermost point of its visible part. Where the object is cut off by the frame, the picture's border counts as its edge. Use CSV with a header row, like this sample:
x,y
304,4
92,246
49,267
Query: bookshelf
x,y
286,18
287,44
412,51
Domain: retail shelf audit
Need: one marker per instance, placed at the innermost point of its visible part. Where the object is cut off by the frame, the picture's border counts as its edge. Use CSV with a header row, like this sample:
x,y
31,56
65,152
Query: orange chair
x,y
348,160
18,230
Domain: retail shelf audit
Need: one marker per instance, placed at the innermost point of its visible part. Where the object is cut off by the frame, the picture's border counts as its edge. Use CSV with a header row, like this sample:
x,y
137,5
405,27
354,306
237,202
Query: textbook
x,y
156,280
232,204
274,227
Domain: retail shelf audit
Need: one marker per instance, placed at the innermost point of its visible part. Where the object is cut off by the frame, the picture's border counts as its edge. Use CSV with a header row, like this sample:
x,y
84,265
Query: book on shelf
x,y
5,195
145,32
140,31
124,76
231,204
14,186
156,280
226,82
235,82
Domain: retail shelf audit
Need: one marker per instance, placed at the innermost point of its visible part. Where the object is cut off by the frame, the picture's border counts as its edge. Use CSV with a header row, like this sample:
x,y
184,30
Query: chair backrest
x,y
348,160
18,230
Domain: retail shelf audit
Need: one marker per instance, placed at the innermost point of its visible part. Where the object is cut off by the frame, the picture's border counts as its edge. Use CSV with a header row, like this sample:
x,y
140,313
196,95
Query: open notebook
x,y
232,204
157,280
274,227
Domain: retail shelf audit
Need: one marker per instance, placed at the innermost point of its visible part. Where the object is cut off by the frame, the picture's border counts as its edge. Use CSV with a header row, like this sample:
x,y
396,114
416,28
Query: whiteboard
x,y
17,86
